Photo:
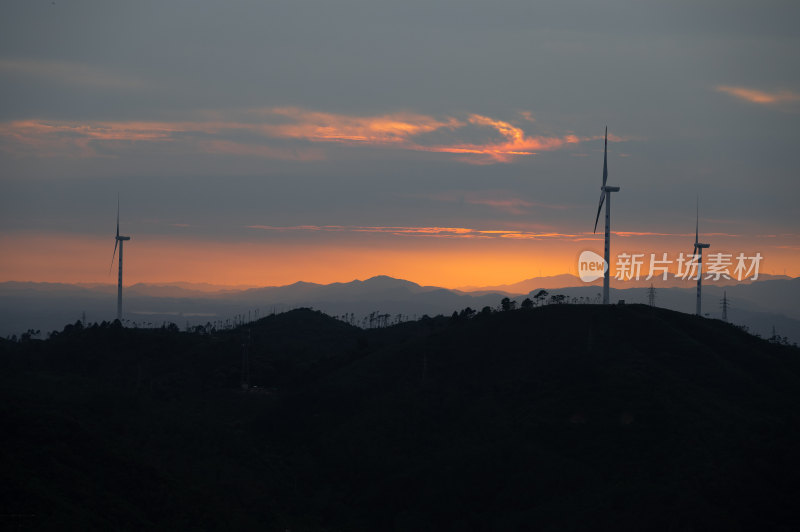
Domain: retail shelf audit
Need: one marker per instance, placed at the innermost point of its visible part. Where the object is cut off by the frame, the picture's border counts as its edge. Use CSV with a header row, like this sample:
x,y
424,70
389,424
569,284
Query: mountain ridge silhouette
x,y
562,417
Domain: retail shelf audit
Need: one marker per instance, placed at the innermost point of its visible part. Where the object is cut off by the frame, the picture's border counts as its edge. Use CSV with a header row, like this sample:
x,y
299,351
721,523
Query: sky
x,y
447,143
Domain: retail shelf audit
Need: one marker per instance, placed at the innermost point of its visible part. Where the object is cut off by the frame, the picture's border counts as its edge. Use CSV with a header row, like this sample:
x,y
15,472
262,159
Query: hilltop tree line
x,y
377,319
374,320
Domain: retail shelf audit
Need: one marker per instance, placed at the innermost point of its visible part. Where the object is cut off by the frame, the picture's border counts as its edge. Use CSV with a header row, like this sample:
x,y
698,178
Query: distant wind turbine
x,y
605,195
700,247
118,240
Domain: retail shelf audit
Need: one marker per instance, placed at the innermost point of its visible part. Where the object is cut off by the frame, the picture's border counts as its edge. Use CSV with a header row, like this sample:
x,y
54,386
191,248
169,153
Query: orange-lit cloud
x,y
760,97
440,232
51,138
647,233
401,128
279,133
464,232
315,126
515,143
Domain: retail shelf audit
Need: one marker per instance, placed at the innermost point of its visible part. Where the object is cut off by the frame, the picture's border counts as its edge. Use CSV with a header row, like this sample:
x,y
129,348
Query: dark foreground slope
x,y
566,417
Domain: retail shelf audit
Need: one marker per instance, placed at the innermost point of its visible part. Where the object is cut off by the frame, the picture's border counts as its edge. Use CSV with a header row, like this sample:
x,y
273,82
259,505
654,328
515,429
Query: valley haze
x,y
759,305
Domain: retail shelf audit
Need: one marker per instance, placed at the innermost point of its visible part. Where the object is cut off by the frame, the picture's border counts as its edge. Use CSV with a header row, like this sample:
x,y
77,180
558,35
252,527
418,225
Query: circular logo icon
x,y
591,266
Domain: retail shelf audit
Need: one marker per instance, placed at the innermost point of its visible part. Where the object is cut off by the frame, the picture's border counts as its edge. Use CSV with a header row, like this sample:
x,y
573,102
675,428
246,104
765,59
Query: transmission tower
x,y
651,295
724,304
246,362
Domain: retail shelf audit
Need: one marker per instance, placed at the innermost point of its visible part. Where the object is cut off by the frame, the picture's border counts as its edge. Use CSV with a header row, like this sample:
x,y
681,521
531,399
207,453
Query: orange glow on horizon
x,y
426,260
148,259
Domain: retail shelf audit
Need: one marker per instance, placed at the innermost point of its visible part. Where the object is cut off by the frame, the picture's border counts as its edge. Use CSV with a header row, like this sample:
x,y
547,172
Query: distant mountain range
x,y
771,301
566,280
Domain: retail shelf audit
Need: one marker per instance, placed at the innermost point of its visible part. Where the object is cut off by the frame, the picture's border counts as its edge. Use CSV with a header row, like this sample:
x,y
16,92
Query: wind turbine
x,y
605,195
118,240
701,247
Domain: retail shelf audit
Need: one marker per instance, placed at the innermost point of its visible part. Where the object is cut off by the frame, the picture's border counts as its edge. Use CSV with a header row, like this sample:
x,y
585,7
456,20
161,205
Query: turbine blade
x,y
599,208
115,246
113,255
605,159
696,227
697,223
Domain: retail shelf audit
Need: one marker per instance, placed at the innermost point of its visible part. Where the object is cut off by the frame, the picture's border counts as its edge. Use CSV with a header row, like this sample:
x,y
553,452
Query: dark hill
x,y
565,417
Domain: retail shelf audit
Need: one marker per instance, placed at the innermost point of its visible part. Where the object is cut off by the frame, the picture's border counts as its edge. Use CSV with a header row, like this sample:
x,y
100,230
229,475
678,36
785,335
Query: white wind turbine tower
x,y
605,195
700,247
118,240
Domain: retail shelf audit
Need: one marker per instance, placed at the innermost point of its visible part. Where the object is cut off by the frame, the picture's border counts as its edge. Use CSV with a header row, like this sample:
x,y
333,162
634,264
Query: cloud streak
x,y
449,232
78,74
500,200
465,232
760,97
281,133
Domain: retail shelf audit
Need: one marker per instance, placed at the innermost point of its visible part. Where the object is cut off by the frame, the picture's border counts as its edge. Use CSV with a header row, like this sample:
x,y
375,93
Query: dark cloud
x,y
678,82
